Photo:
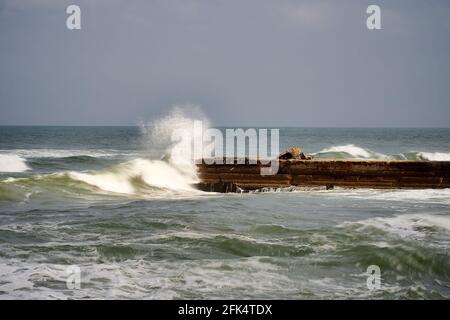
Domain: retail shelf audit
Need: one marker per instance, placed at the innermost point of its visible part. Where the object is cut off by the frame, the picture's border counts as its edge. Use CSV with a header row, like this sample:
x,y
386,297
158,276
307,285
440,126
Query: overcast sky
x,y
245,62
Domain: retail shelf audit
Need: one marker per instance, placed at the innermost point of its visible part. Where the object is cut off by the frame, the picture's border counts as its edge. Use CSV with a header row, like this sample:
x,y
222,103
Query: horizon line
x,y
228,126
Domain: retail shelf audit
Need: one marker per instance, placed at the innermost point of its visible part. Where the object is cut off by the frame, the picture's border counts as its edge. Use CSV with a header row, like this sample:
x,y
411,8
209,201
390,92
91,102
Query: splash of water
x,y
174,171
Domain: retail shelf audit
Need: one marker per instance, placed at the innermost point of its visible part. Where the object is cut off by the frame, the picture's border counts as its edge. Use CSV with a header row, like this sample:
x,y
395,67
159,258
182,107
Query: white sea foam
x,y
158,134
411,195
125,178
434,156
350,151
12,163
177,172
139,279
427,195
407,225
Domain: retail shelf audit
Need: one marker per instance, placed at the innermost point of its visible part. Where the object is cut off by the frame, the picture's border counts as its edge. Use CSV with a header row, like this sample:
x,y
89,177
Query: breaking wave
x,y
347,151
12,163
136,175
434,156
162,164
350,151
140,176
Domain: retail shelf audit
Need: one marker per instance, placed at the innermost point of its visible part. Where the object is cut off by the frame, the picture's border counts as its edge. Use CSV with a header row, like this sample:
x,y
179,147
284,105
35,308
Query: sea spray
x,y
158,137
169,165
186,141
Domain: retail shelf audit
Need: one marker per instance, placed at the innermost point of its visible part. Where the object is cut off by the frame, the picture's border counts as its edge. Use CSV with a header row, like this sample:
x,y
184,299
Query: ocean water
x,y
100,198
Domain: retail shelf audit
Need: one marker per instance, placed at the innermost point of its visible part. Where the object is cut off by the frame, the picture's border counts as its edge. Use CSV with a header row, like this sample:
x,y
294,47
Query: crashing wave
x,y
351,151
12,163
129,176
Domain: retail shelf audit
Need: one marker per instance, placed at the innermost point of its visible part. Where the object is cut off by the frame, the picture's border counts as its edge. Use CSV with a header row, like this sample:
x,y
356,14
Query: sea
x,y
94,213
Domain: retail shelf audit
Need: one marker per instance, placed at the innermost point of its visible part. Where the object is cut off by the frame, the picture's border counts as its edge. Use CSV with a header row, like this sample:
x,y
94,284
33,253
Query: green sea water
x,y
100,198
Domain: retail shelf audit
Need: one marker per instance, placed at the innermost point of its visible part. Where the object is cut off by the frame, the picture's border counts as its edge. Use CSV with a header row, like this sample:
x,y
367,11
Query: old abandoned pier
x,y
301,171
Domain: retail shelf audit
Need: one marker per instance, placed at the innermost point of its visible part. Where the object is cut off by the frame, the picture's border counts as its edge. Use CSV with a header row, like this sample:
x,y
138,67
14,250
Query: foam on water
x,y
137,229
126,177
442,195
12,163
348,151
177,172
410,195
407,225
434,156
351,151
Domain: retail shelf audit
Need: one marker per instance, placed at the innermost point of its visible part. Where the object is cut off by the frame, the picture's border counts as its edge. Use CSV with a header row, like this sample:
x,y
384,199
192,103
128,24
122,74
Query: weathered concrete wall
x,y
343,173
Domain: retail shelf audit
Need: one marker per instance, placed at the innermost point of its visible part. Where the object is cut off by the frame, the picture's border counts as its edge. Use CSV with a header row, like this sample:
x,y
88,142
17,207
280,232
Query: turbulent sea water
x,y
101,198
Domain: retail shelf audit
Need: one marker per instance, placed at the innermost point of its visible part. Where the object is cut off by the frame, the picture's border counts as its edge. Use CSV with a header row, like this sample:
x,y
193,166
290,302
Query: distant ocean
x,y
101,198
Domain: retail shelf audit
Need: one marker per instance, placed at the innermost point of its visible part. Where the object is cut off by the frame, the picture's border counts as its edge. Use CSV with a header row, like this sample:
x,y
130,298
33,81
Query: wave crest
x,y
131,176
434,156
351,151
12,163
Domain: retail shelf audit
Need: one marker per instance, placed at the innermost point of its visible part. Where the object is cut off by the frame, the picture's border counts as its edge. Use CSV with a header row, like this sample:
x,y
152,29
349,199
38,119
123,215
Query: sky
x,y
243,62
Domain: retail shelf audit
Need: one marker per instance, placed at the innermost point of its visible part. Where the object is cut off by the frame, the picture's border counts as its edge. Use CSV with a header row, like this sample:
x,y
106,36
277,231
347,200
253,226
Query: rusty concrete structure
x,y
328,173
